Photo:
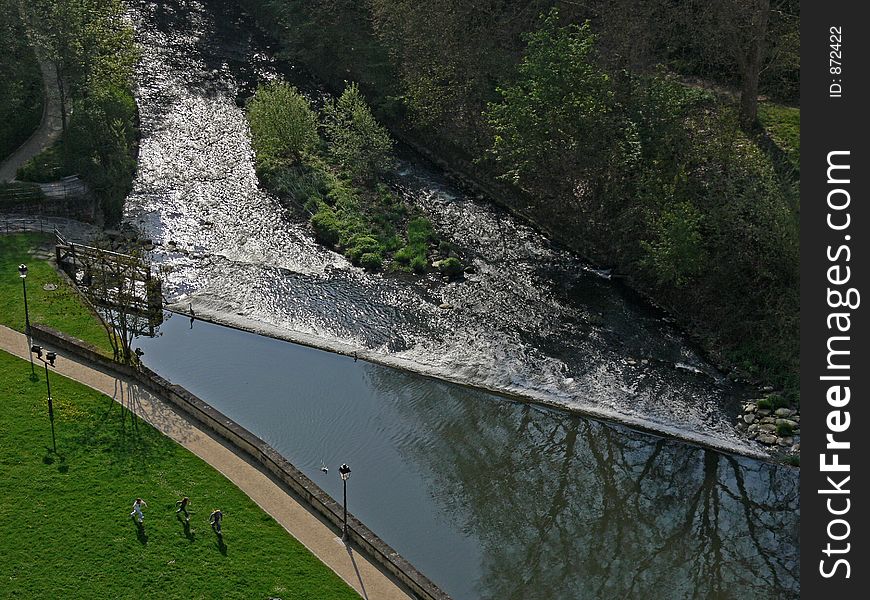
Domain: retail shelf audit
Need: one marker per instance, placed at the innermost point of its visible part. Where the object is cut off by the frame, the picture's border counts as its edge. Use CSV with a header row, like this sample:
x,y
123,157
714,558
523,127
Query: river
x,y
498,498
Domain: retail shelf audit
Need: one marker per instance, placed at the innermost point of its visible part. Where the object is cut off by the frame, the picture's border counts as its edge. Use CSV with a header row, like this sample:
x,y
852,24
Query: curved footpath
x,y
354,568
48,132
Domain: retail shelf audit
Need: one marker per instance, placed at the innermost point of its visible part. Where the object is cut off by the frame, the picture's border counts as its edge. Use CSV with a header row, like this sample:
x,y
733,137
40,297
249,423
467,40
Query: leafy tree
x,y
21,88
283,123
357,142
100,146
553,128
89,43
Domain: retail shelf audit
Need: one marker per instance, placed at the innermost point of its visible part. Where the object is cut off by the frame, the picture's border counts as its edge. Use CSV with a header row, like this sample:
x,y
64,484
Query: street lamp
x,y
22,273
344,471
49,359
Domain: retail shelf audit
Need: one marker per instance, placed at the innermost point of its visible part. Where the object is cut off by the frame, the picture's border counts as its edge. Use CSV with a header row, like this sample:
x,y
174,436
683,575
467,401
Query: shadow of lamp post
x,y
344,471
22,273
49,359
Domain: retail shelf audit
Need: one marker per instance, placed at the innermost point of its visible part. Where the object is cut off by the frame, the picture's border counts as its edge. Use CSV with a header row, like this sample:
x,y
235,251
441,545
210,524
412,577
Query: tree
x,y
283,125
357,142
553,128
88,42
125,292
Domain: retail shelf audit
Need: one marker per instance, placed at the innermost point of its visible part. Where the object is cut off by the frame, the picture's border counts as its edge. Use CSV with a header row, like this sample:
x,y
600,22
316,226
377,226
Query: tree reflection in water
x,y
565,507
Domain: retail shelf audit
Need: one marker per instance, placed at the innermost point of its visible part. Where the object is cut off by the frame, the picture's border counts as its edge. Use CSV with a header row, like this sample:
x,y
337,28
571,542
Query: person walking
x,y
182,507
215,519
137,509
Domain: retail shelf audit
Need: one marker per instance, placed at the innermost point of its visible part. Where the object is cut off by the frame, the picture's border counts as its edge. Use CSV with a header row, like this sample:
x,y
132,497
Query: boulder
x,y
769,427
763,411
750,408
788,422
767,438
784,412
749,419
785,441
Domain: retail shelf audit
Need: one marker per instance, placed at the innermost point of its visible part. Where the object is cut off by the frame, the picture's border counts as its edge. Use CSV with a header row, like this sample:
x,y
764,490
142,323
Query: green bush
x,y
371,261
325,226
450,267
282,122
362,244
420,231
419,264
357,142
784,429
764,403
46,166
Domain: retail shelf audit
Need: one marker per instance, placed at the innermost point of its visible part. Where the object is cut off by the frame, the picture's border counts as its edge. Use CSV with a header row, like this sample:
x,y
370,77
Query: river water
x,y
489,497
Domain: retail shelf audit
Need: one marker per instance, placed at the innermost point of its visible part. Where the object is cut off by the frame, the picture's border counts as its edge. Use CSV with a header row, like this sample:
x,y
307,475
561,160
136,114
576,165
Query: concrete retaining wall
x,y
257,450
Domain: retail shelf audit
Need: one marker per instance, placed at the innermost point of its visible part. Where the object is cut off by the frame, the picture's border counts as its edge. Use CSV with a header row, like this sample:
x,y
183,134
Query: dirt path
x,y
354,568
49,130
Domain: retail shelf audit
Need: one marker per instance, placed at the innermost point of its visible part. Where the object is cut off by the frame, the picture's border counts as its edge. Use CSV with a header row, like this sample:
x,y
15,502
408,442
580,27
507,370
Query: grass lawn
x,y
64,525
783,123
61,309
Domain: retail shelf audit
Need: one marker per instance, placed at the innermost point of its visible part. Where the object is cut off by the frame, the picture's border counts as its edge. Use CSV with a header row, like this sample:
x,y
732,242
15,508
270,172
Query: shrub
x,y
363,244
357,142
45,166
420,231
282,122
450,267
784,429
404,255
764,403
419,264
325,225
312,205
371,261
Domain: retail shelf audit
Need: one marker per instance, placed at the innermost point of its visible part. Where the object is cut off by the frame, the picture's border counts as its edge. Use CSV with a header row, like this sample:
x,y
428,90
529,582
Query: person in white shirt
x,y
137,509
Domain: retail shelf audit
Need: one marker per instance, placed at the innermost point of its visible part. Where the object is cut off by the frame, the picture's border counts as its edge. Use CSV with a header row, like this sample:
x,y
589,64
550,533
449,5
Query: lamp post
x,y
22,273
344,471
50,357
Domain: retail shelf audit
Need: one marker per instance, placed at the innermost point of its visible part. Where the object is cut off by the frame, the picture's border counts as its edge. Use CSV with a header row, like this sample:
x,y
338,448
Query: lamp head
x,y
22,270
50,357
344,471
38,349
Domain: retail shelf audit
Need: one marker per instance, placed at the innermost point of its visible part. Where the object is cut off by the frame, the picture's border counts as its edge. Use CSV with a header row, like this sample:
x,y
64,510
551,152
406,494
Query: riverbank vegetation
x,y
628,132
21,89
67,532
90,45
331,164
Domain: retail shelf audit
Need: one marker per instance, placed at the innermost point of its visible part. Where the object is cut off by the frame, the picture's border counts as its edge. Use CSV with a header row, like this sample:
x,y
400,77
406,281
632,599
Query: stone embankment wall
x,y
259,452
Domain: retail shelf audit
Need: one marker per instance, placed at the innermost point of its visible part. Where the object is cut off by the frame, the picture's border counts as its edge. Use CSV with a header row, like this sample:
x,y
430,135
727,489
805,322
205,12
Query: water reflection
x,y
492,498
571,508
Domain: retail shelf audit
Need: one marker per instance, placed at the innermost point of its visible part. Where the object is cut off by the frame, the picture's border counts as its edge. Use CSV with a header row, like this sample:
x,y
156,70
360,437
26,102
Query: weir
x,y
489,497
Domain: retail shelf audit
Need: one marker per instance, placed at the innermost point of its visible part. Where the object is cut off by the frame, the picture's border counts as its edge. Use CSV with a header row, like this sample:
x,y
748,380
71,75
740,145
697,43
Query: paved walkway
x,y
354,568
49,130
